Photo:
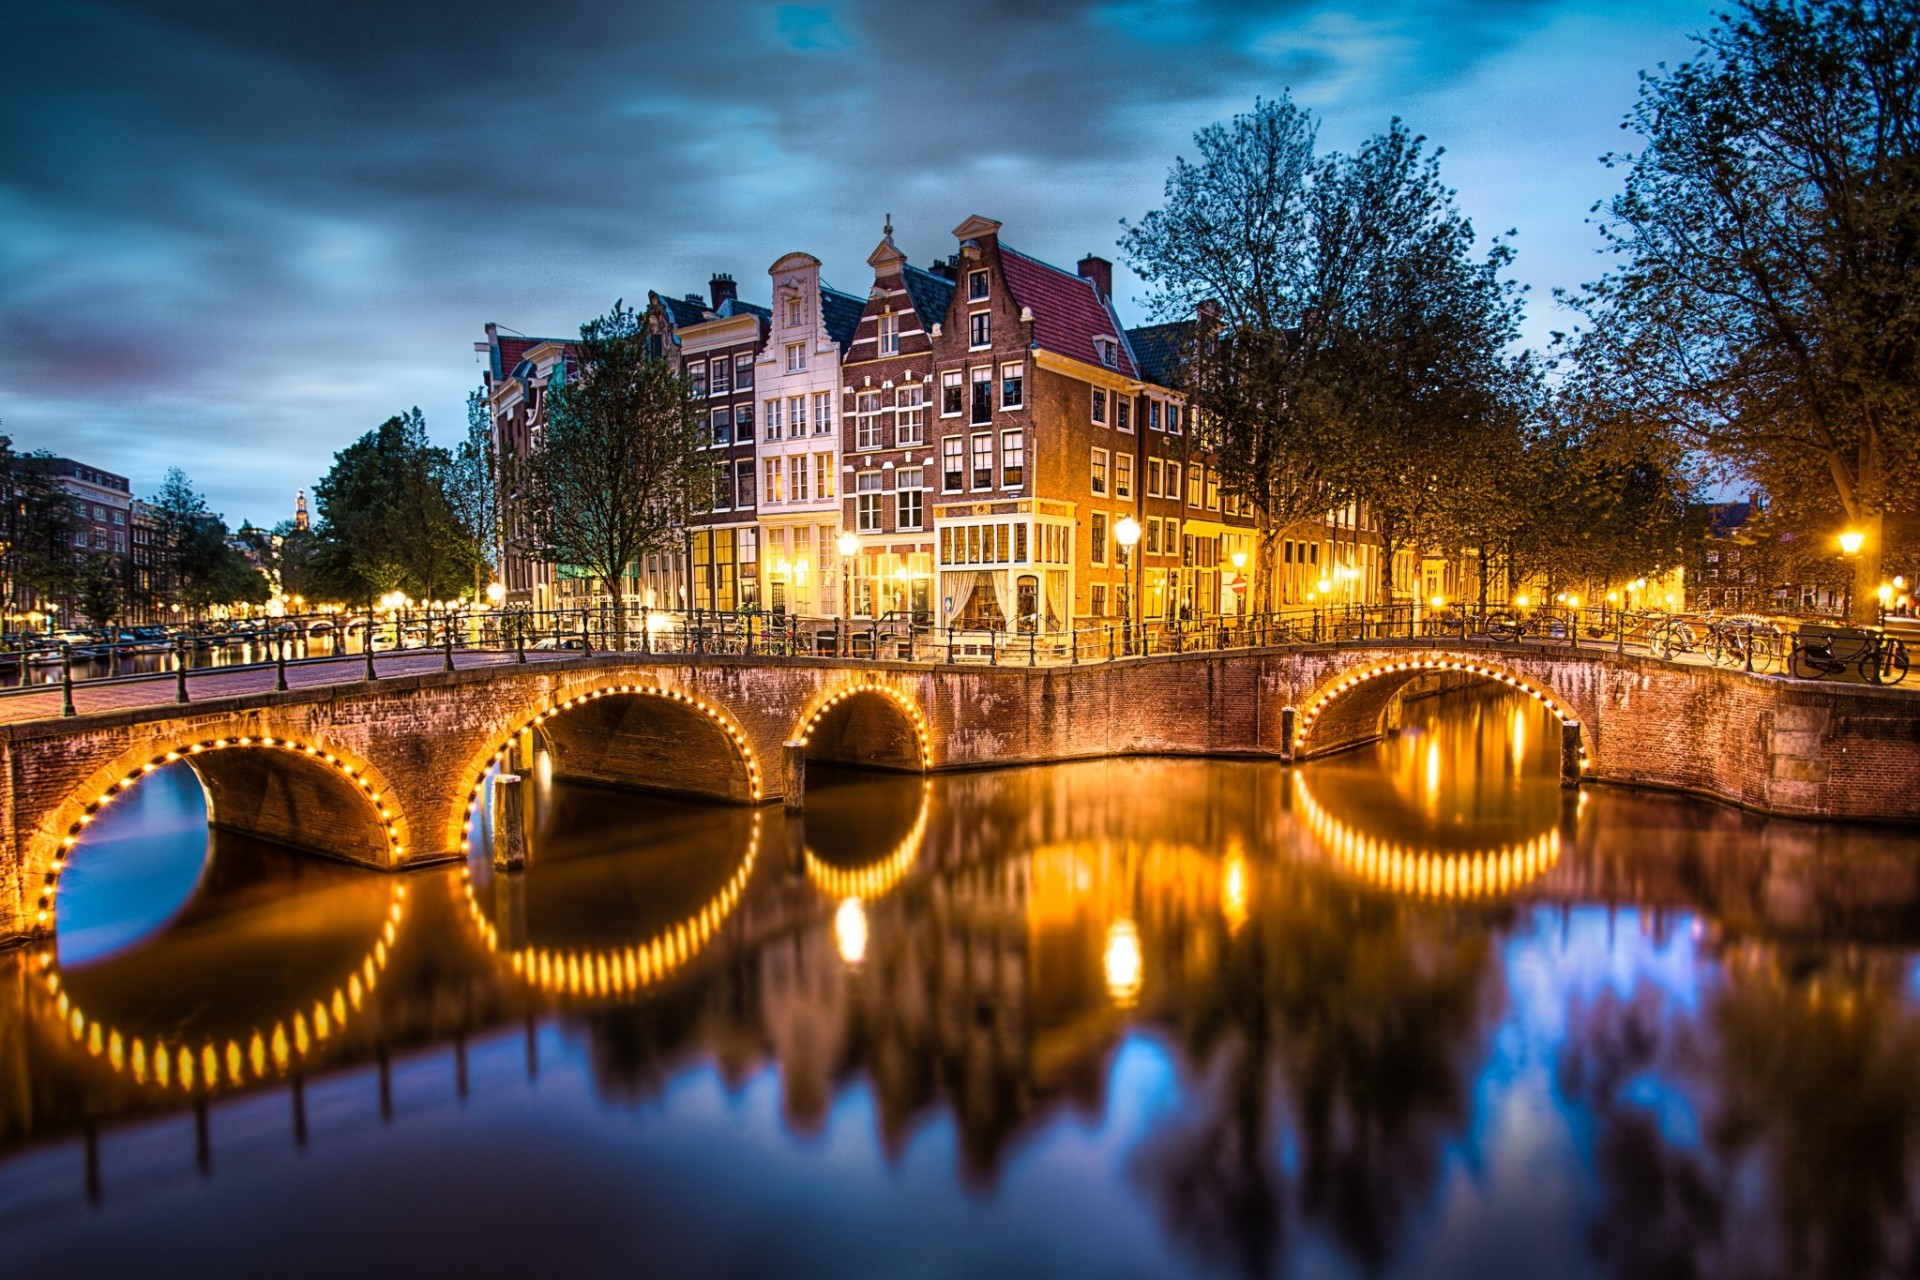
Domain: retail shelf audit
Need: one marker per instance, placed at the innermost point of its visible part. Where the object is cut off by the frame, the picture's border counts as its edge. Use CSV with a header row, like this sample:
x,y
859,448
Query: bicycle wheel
x,y
1807,663
1885,665
1503,627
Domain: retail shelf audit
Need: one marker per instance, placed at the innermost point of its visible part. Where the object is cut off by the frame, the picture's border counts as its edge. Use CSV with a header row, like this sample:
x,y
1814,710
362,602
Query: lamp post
x,y
1851,540
848,547
1240,589
1127,534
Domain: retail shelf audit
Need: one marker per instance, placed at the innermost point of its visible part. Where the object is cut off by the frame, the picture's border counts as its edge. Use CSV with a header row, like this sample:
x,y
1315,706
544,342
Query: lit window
x,y
823,476
1123,475
1100,473
775,489
1097,537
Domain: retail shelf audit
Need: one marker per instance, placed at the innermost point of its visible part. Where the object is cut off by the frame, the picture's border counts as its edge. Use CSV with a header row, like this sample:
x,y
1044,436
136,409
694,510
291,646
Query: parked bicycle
x,y
1879,658
1752,643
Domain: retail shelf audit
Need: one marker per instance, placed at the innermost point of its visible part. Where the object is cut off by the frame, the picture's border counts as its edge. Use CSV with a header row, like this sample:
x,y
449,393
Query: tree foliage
x,y
622,467
37,524
387,520
1766,296
473,487
193,562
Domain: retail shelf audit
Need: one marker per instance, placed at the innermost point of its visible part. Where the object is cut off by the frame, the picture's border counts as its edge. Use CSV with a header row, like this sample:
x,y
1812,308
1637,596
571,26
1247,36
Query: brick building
x,y
518,371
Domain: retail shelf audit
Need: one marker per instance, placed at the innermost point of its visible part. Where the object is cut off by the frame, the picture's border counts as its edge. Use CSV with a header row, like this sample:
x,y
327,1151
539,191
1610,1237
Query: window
x,y
823,413
980,329
722,381
909,507
866,420
952,393
743,373
722,426
119,517
1151,537
776,488
952,463
1196,479
1099,599
1020,543
977,285
889,334
1013,386
796,357
698,373
1123,475
793,311
1100,473
1123,413
1173,481
1097,537
722,487
99,513
909,413
1213,490
1173,419
798,472
773,419
983,462
823,476
1109,352
1100,405
743,424
982,397
866,501
796,415
744,471
1153,416
1013,458
1153,477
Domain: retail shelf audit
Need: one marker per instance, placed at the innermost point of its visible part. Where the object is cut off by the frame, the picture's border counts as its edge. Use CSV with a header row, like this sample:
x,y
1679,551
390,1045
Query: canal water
x,y
1412,1011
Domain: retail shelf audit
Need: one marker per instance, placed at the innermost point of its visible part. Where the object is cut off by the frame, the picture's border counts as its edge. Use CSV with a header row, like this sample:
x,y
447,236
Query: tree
x,y
37,526
473,487
97,584
1767,292
386,520
623,464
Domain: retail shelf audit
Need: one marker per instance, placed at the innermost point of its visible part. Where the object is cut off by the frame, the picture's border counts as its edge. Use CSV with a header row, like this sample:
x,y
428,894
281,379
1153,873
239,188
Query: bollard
x,y
646,630
949,644
520,637
179,668
447,641
586,636
793,774
366,647
1572,758
509,823
280,665
1289,719
66,678
1032,637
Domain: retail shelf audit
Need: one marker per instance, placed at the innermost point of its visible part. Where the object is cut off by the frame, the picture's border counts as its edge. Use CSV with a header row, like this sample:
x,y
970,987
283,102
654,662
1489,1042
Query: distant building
x,y
103,501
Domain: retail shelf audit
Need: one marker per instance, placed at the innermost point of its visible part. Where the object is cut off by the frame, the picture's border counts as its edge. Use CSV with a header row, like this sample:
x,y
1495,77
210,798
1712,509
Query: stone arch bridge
x,y
389,773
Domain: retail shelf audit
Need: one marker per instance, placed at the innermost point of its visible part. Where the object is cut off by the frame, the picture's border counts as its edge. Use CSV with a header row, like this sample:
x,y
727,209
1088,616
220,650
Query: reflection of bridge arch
x,y
622,970
238,777
1346,709
1426,873
878,878
694,710
864,740
250,1057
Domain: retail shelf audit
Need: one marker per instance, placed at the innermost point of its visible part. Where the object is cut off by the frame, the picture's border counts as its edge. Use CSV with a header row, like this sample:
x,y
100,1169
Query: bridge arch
x,y
263,784
601,735
867,723
1349,707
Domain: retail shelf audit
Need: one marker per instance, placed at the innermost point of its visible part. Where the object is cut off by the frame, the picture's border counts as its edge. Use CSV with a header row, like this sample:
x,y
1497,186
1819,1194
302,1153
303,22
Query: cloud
x,y
235,236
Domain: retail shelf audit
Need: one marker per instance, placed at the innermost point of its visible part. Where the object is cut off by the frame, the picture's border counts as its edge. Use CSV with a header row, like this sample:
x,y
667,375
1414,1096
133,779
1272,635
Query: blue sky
x,y
234,236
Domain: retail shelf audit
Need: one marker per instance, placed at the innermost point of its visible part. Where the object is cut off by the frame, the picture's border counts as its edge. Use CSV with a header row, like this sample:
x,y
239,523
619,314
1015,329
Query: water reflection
x,y
1375,1016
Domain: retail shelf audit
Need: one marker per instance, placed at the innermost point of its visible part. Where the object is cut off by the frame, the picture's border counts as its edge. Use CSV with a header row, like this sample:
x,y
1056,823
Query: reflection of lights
x,y
268,1050
850,932
1401,869
1122,962
1348,682
721,720
876,879
1433,775
1233,891
620,970
1519,738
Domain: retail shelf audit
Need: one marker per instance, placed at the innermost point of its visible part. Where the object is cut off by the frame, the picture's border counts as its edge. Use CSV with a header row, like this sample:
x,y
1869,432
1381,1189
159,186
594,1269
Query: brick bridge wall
x,y
384,773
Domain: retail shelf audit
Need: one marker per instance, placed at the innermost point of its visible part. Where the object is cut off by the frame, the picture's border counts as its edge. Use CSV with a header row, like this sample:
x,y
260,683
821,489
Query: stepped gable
x,y
1068,312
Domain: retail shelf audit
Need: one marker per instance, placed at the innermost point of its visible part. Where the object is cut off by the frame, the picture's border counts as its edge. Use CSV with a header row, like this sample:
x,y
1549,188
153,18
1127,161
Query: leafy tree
x,y
473,487
1767,292
193,561
386,520
37,524
97,589
622,467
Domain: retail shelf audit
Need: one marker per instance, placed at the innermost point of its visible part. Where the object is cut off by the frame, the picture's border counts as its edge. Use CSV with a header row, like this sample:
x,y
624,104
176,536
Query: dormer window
x,y
977,285
889,334
1108,351
793,311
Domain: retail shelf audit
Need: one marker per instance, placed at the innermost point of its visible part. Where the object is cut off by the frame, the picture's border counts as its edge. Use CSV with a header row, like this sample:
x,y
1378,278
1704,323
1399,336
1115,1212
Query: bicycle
x,y
1749,642
1679,635
1880,659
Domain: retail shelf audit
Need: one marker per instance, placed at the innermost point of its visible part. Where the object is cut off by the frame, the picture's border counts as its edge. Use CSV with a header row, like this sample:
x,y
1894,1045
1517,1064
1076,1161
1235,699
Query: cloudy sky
x,y
236,234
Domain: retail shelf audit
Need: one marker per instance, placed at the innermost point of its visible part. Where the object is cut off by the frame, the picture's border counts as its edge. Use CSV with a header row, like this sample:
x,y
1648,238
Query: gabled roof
x,y
1157,349
840,313
928,292
1068,312
735,307
512,351
682,312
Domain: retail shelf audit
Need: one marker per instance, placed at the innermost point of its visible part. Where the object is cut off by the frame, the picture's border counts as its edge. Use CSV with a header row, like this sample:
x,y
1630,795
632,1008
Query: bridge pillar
x,y
1289,720
793,774
1570,753
509,823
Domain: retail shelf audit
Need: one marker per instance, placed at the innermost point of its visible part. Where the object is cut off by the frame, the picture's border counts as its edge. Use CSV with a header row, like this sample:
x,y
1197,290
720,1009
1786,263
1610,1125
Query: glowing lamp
x,y
1851,541
848,545
1127,532
1438,602
1520,601
496,592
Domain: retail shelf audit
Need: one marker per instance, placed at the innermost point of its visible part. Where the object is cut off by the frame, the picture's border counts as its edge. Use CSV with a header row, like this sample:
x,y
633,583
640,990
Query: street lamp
x,y
849,546
1240,571
1851,540
496,592
1127,534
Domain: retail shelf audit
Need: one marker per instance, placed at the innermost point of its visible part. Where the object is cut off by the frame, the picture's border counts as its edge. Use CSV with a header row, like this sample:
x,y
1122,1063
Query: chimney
x,y
722,289
1100,271
946,268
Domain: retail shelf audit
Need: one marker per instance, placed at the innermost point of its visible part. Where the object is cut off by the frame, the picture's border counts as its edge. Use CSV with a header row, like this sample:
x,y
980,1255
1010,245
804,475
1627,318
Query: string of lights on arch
x,y
878,878
719,717
921,738
267,1052
616,971
1422,873
356,772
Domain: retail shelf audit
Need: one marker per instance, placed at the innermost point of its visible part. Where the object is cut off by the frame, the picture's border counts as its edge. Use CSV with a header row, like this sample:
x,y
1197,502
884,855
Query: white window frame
x,y
1013,377
910,413
979,330
1098,407
956,448
983,279
953,378
866,421
1100,473
796,357
889,341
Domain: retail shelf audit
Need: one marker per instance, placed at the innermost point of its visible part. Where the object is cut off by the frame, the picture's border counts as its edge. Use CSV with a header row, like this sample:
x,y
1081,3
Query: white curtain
x,y
961,584
1056,585
999,581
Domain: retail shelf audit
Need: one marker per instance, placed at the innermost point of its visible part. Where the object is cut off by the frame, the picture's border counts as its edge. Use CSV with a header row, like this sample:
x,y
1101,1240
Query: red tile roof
x,y
513,350
1068,312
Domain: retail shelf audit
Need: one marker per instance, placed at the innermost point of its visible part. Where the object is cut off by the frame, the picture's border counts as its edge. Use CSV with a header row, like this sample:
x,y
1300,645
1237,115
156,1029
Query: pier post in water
x,y
793,775
1289,719
1570,753
509,823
